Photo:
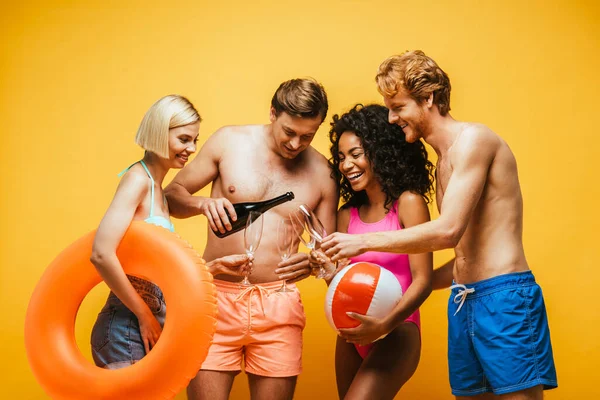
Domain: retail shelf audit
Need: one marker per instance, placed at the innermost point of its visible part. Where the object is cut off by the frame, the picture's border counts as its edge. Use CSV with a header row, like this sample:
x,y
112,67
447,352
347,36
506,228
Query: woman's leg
x,y
388,366
347,363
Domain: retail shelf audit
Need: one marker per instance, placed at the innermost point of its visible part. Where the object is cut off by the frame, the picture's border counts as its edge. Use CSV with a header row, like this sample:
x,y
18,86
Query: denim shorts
x,y
498,337
116,340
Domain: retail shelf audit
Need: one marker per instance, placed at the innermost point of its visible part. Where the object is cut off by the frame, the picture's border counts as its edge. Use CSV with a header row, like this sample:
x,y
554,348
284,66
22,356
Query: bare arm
x,y
471,158
114,224
443,276
203,170
118,217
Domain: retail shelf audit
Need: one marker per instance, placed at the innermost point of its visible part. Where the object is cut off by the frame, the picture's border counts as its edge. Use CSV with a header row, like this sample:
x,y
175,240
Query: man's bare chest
x,y
250,178
443,172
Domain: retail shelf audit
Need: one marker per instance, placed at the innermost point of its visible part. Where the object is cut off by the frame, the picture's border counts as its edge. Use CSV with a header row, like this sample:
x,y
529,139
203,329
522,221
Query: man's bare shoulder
x,y
478,131
475,138
317,165
236,131
316,159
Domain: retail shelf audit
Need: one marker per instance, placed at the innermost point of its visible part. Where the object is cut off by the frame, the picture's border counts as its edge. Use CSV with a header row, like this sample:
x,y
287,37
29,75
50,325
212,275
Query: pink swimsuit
x,y
398,264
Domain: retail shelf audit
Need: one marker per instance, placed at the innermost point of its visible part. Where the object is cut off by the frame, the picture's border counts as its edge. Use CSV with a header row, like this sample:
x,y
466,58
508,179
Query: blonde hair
x,y
305,98
419,75
167,113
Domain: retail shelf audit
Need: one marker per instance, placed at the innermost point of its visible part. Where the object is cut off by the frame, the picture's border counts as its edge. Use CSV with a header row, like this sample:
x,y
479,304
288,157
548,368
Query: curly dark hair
x,y
396,164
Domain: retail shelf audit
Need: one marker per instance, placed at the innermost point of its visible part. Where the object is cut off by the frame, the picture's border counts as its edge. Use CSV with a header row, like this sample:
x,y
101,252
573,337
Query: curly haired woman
x,y
385,183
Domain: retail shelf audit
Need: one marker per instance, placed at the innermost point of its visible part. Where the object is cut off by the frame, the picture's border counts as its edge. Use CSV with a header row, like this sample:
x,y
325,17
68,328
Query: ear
x,y
429,101
272,114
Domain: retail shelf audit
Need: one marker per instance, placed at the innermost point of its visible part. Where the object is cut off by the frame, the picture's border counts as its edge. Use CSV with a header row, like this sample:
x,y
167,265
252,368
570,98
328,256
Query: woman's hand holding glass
x,y
311,232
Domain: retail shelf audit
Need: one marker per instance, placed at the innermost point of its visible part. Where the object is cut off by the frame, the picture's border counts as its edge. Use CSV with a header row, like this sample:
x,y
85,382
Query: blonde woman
x,y
131,321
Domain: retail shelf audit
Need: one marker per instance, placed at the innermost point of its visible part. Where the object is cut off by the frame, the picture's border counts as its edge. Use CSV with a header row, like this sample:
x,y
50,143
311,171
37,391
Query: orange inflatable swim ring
x,y
146,250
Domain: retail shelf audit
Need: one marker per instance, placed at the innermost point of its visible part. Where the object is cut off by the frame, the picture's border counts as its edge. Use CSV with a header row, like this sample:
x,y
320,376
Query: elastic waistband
x,y
144,286
497,283
236,288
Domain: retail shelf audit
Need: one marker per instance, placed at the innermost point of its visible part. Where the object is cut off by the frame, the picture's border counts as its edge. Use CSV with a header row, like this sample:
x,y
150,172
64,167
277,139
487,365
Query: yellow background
x,y
77,77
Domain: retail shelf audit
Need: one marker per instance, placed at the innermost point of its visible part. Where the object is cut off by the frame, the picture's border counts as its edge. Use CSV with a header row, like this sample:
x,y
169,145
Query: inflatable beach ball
x,y
364,288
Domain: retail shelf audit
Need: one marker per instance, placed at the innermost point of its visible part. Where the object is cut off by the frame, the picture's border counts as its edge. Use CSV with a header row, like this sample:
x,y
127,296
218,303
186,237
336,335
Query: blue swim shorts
x,y
498,336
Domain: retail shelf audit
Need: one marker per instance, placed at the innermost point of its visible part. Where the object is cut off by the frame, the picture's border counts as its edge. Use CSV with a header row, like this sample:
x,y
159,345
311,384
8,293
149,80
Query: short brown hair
x,y
305,98
418,74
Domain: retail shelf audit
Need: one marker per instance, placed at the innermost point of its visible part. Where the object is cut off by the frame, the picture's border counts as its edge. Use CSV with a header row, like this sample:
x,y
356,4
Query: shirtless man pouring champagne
x,y
254,163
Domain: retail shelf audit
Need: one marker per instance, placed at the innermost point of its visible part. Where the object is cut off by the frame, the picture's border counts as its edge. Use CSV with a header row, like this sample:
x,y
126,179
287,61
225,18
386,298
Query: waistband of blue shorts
x,y
143,286
497,283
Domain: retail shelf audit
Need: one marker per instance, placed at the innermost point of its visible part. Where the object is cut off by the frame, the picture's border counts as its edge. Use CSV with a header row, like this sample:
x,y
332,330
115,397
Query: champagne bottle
x,y
242,211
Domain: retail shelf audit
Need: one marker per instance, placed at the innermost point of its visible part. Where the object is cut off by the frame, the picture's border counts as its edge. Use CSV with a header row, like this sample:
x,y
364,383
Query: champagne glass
x,y
285,239
310,231
314,225
252,235
299,226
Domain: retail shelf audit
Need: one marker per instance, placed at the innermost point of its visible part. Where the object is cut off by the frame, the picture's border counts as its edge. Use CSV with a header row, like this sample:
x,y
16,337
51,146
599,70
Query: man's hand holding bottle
x,y
216,211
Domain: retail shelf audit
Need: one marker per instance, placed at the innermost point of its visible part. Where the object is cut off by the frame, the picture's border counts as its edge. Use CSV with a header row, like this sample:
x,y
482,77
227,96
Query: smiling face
x,y
354,164
182,144
409,114
292,135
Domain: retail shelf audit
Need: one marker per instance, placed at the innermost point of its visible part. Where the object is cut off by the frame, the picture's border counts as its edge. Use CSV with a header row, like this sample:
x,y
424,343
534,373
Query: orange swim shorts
x,y
259,325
